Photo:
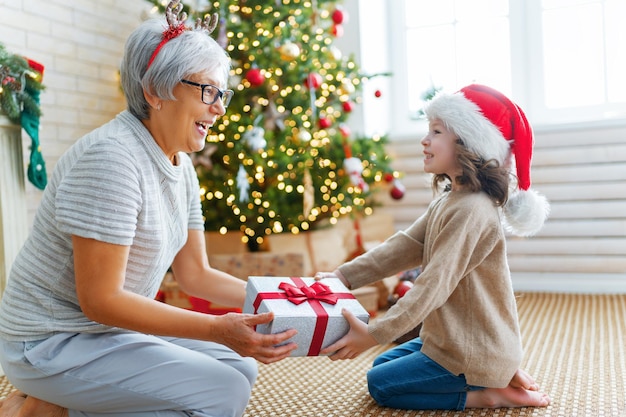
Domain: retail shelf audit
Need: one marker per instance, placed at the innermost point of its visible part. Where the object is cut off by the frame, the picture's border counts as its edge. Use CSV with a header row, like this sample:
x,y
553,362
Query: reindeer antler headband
x,y
176,25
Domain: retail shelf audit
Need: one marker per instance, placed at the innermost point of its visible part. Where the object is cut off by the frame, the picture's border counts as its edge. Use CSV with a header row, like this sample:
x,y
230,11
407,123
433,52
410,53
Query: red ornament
x,y
324,123
338,16
397,192
337,31
255,77
378,93
313,80
348,106
402,288
344,130
388,177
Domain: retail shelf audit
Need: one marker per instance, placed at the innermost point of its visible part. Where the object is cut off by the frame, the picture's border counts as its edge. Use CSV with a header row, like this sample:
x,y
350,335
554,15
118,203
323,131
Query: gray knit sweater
x,y
463,295
115,185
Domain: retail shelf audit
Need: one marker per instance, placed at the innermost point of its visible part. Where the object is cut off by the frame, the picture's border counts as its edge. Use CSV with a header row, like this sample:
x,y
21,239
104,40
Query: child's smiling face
x,y
440,150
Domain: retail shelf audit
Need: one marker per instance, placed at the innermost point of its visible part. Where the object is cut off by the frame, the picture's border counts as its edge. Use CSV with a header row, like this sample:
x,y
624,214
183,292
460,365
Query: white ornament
x,y
304,136
354,168
243,185
255,138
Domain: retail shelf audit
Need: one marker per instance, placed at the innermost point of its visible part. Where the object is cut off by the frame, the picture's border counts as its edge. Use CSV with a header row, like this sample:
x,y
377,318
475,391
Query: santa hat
x,y
493,127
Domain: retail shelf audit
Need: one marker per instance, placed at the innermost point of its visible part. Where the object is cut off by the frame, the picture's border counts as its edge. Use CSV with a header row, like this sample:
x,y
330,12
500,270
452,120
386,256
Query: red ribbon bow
x,y
317,291
300,293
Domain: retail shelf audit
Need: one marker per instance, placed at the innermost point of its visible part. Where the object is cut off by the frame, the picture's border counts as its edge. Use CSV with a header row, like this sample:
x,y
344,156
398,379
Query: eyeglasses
x,y
211,93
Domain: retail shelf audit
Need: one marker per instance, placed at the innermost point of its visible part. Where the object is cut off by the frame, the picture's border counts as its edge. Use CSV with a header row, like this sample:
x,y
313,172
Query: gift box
x,y
242,265
170,293
311,307
368,297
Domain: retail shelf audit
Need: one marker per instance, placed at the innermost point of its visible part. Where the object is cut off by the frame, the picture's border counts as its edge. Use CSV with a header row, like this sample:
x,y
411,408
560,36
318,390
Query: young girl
x,y
470,349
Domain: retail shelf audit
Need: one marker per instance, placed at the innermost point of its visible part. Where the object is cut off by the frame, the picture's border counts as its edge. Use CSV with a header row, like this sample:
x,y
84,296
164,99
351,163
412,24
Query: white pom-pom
x,y
525,213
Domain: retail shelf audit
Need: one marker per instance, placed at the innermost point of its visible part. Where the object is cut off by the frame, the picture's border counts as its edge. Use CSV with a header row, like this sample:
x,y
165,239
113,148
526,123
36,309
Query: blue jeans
x,y
405,378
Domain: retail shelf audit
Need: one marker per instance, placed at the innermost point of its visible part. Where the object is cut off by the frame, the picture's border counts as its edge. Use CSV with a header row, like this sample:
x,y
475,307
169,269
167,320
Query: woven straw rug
x,y
575,348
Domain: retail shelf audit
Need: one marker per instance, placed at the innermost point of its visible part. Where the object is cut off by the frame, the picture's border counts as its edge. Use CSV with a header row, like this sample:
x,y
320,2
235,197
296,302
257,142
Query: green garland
x,y
20,87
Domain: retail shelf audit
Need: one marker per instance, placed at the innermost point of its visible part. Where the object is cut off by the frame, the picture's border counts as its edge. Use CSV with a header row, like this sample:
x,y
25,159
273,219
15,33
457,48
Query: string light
x,y
267,36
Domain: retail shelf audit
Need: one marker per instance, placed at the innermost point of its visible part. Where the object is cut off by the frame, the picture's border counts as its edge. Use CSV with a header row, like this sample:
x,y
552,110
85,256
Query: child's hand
x,y
334,274
321,275
357,341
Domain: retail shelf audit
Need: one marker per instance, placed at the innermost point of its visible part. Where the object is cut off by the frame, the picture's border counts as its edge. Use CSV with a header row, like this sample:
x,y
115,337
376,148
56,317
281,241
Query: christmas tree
x,y
283,159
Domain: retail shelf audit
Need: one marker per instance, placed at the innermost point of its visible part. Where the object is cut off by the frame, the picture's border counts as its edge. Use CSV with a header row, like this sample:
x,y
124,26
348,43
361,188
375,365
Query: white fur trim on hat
x,y
465,119
525,212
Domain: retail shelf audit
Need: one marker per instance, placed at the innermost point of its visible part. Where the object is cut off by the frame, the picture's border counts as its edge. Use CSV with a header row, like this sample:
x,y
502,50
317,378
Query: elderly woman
x,y
80,331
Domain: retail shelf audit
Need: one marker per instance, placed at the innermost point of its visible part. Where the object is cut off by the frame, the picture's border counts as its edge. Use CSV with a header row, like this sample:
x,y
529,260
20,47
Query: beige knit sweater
x,y
463,295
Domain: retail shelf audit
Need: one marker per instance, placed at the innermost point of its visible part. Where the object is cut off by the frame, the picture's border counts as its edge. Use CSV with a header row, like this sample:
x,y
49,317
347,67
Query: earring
x,y
159,106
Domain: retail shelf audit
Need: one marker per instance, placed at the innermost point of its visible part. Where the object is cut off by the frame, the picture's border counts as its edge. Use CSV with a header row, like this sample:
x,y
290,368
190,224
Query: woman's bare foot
x,y
506,397
11,405
18,404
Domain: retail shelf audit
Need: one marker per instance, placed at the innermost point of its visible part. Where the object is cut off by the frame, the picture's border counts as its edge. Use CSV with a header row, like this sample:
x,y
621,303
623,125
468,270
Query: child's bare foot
x,y
523,379
18,404
506,397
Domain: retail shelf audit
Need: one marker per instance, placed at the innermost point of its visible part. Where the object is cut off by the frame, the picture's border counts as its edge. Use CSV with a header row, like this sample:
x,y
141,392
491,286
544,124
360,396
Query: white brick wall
x,y
80,43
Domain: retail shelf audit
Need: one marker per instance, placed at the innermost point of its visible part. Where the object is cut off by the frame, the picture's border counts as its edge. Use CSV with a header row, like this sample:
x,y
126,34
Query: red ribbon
x,y
317,291
315,294
168,34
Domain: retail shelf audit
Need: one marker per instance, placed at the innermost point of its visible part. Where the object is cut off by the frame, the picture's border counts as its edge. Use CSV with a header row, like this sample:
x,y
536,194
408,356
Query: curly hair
x,y
477,175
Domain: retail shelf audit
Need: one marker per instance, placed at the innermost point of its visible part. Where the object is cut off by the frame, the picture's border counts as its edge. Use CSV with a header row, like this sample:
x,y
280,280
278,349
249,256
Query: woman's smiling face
x,y
182,125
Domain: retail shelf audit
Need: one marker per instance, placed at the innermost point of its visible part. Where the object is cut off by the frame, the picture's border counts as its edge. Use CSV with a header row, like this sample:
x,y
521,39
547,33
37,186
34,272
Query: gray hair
x,y
191,52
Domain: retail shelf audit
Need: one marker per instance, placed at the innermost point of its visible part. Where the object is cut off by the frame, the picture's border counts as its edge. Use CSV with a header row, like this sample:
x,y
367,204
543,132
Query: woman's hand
x,y
355,342
237,332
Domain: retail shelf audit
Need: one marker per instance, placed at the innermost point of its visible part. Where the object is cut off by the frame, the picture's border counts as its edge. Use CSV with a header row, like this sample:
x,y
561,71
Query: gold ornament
x,y
346,87
289,51
308,197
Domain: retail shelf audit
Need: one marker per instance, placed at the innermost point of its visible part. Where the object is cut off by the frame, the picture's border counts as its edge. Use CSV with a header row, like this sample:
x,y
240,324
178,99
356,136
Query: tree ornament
x,y
255,77
324,122
347,106
308,196
398,190
289,51
337,31
345,131
378,93
338,16
388,177
304,136
347,87
354,169
255,138
402,288
313,80
335,53
243,185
